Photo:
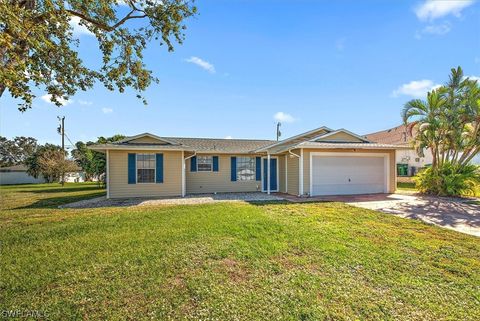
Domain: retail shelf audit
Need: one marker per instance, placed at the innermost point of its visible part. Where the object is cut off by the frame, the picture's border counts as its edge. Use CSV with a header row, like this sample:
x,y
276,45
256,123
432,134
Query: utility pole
x,y
278,130
62,132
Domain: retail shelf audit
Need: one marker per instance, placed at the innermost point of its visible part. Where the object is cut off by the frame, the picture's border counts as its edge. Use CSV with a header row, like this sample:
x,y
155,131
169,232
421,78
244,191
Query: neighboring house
x,y
17,174
319,162
75,177
408,161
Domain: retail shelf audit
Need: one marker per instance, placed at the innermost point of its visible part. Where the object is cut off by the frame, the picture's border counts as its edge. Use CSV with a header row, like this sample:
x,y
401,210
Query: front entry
x,y
273,175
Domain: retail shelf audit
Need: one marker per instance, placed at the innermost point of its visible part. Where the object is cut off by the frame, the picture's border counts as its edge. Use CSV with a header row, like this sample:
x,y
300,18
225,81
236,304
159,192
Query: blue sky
x,y
342,64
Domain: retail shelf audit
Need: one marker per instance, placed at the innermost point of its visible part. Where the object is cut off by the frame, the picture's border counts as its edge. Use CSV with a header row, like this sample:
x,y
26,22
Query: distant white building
x,y
17,174
408,161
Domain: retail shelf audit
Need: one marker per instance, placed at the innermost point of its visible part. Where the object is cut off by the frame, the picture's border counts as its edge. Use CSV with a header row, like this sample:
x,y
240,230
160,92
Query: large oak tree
x,y
38,47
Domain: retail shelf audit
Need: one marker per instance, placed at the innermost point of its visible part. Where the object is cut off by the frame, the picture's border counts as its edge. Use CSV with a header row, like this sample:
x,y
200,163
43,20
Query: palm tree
x,y
448,122
423,121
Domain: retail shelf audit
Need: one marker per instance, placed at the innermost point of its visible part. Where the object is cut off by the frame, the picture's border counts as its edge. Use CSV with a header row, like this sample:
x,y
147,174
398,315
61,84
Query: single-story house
x,y
408,160
17,174
318,162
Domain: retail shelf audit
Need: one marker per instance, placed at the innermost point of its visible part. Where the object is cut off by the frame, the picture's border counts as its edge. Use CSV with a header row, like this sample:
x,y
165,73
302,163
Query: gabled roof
x,y
155,137
396,136
341,130
303,136
217,145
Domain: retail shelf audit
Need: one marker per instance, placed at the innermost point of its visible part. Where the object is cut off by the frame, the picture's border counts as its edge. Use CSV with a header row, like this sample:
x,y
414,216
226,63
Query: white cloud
x,y
78,29
438,30
48,99
228,137
477,78
416,88
283,117
85,102
106,110
202,64
433,9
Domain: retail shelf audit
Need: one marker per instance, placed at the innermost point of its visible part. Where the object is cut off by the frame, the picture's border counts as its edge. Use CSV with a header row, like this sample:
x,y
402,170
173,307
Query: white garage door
x,y
344,175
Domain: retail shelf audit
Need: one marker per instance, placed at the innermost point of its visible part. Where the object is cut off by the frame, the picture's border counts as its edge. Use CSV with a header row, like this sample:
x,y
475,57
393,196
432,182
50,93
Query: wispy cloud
x,y
415,89
85,102
228,137
283,117
439,30
202,64
106,110
433,9
48,99
340,43
79,30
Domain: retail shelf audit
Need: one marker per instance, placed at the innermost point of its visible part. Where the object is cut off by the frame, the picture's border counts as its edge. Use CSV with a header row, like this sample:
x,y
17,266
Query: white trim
x,y
108,174
183,174
154,169
341,130
127,139
286,173
268,173
300,173
292,138
386,164
211,168
262,171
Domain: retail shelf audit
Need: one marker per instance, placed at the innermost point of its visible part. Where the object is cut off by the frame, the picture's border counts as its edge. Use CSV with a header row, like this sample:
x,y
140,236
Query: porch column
x,y
268,173
183,174
300,173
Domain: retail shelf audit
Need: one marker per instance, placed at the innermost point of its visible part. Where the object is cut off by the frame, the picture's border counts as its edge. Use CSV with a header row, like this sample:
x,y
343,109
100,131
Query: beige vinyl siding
x,y
281,173
118,181
292,172
340,137
306,165
211,182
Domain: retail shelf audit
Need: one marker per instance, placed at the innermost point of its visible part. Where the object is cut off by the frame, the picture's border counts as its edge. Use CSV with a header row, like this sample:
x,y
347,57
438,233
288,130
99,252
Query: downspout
x,y
184,188
107,181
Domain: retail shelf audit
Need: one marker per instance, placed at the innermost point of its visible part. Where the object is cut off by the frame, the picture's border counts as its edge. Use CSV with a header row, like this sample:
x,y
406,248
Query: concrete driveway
x,y
456,214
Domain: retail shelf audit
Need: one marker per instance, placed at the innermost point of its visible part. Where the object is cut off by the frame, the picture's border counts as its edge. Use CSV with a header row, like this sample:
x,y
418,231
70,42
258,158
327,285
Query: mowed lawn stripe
x,y
235,261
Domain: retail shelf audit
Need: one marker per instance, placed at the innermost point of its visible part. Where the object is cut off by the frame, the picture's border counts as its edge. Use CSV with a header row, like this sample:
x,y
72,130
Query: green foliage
x,y
449,180
229,261
448,124
46,162
16,150
92,162
38,47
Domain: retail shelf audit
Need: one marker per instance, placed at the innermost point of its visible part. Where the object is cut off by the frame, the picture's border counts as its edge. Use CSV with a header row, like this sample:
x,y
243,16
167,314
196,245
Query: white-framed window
x,y
246,168
146,168
204,163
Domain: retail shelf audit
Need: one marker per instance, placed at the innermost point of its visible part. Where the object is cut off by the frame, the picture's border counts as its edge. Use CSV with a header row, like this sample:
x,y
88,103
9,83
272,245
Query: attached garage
x,y
349,173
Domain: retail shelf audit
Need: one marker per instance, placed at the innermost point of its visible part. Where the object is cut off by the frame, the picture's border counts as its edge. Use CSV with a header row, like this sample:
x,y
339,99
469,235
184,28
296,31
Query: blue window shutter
x,y
233,170
258,168
159,169
132,168
215,163
193,164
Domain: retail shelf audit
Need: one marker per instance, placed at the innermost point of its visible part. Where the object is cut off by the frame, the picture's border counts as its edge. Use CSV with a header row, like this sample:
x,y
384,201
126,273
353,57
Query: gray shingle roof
x,y
221,145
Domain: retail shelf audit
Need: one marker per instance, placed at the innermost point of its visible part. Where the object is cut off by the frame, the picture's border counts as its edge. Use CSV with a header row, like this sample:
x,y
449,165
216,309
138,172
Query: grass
x,y
229,261
406,186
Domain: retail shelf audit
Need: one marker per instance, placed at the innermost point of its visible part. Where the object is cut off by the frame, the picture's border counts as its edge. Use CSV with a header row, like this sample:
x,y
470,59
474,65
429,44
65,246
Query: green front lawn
x,y
229,261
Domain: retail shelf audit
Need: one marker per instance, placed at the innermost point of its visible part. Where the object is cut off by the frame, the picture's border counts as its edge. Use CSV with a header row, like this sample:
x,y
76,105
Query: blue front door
x,y
273,174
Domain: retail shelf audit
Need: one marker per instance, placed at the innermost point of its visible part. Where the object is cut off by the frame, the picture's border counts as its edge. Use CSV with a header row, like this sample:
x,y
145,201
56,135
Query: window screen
x,y
146,168
245,168
204,163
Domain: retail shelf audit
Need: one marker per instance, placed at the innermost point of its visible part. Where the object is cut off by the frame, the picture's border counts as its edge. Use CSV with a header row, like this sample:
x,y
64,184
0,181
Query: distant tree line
x,y
50,161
